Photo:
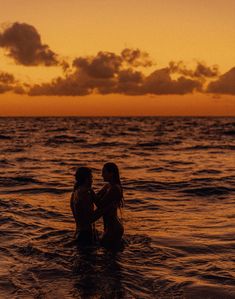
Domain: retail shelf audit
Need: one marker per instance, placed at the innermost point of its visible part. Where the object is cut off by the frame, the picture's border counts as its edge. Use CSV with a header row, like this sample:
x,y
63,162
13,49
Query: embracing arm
x,y
103,210
95,198
107,204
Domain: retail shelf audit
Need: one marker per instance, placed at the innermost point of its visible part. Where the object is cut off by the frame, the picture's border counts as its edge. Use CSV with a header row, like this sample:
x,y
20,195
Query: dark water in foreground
x,y
179,181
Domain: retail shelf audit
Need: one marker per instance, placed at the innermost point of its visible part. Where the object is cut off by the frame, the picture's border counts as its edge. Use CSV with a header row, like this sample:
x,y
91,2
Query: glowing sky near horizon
x,y
167,30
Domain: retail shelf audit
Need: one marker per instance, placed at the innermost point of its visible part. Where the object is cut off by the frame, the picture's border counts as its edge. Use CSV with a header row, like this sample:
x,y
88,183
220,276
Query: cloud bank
x,y
106,72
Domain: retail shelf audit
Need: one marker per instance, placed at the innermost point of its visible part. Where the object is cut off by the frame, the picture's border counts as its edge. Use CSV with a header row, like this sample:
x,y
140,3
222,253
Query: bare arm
x,y
95,198
74,206
108,203
102,191
101,211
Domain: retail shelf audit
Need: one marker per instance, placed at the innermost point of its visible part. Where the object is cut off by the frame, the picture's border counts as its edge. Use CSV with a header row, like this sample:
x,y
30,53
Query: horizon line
x,y
105,116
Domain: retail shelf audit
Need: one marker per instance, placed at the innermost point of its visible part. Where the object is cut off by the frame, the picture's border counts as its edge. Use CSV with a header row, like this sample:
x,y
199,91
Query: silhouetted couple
x,y
108,200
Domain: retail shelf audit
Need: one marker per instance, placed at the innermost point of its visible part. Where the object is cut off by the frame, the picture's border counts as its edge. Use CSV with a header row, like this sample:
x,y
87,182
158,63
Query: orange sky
x,y
191,31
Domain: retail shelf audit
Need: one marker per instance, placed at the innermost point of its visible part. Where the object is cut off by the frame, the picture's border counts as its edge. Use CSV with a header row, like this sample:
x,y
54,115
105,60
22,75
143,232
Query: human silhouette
x,y
108,200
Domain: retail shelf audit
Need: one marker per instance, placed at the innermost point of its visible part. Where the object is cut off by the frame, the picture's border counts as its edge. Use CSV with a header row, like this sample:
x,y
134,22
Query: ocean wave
x,y
152,186
35,191
61,139
209,191
5,137
105,144
157,143
176,163
14,150
210,147
27,159
18,180
5,163
6,203
161,169
229,132
63,129
207,171
150,144
170,192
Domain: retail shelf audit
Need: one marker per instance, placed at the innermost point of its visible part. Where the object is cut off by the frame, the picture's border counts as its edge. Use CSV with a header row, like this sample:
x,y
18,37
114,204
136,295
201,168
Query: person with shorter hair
x,y
82,207
108,200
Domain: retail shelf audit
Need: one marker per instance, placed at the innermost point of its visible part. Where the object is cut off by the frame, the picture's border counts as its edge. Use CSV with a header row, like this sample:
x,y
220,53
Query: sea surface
x,y
178,176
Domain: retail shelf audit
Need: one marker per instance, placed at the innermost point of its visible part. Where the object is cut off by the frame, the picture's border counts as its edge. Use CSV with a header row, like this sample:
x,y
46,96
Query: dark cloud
x,y
101,74
7,82
104,65
108,73
136,58
6,78
4,88
130,82
65,66
19,90
68,86
204,71
160,82
201,71
224,85
24,45
75,84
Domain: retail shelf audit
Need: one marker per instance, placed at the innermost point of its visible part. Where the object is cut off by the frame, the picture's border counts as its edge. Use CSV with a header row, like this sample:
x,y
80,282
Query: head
x,y
110,173
83,177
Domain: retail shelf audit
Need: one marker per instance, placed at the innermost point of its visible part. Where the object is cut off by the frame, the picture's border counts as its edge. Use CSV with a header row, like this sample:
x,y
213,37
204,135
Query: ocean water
x,y
178,177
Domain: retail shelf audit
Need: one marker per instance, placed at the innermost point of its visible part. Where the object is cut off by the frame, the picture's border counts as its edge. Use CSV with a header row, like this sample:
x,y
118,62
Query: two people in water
x,y
107,201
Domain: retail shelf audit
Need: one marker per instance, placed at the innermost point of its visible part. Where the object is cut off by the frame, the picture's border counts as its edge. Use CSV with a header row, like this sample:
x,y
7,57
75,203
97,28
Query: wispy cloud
x,y
9,83
201,71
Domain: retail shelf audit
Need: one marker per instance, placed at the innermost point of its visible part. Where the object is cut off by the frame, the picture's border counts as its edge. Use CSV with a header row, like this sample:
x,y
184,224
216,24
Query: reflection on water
x,y
98,273
179,215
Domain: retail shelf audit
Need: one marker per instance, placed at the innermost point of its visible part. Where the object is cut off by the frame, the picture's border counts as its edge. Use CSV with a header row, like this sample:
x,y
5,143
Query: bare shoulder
x,y
115,188
74,194
78,198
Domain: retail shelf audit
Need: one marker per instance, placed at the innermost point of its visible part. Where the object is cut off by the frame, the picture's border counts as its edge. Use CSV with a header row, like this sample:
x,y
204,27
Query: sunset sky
x,y
106,57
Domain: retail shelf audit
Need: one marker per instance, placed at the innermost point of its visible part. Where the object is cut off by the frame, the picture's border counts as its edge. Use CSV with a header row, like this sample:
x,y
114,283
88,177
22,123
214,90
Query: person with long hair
x,y
108,200
82,206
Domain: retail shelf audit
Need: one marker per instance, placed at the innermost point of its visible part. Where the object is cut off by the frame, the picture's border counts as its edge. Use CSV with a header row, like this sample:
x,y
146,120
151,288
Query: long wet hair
x,y
81,175
112,167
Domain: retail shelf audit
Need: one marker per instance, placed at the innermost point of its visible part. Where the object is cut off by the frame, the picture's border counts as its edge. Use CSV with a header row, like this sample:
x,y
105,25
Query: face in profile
x,y
89,181
107,176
